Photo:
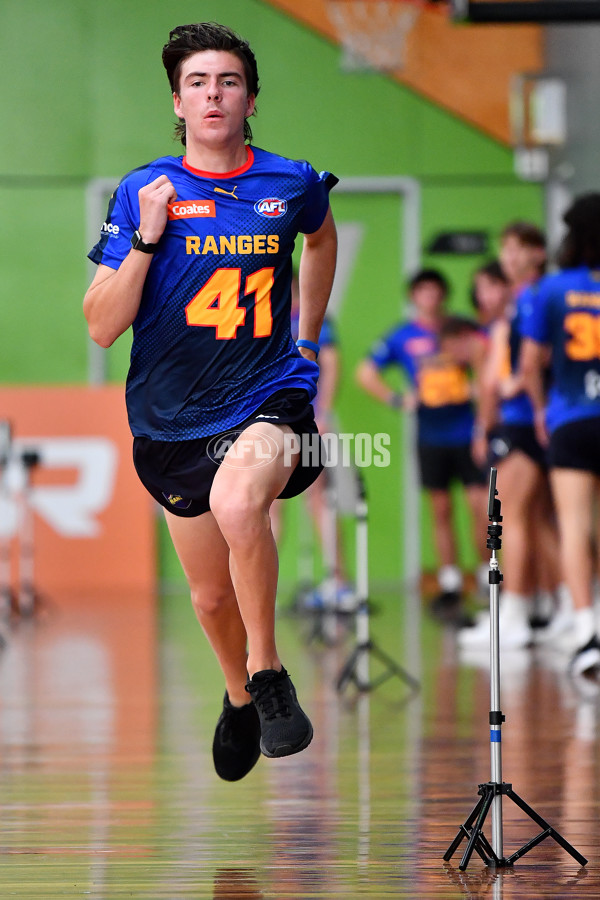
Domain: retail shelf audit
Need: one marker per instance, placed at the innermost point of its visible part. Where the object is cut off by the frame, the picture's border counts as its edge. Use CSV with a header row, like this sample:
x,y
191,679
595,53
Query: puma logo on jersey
x,y
229,193
262,416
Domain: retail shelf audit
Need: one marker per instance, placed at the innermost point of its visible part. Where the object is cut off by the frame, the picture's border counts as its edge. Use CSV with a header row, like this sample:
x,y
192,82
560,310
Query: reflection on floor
x,y
108,790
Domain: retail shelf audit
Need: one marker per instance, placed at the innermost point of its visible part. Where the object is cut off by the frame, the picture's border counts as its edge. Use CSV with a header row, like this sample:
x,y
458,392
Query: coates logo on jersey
x,y
271,207
192,209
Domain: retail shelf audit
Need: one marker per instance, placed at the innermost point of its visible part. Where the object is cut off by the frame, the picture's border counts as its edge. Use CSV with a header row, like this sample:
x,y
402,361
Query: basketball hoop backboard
x,y
373,33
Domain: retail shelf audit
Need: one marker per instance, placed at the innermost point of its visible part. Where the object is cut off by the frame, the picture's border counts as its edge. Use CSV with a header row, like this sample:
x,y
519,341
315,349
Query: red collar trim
x,y
233,174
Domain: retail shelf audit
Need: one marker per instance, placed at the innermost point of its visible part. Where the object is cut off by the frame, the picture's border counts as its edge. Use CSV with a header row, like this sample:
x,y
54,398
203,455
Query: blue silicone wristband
x,y
308,345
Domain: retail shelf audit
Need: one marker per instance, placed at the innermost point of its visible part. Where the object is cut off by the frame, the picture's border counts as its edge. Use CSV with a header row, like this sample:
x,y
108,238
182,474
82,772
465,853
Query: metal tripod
x,y
29,599
492,792
356,668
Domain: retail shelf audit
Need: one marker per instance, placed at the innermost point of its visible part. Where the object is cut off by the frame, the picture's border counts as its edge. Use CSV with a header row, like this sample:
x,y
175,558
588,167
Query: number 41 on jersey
x,y
216,305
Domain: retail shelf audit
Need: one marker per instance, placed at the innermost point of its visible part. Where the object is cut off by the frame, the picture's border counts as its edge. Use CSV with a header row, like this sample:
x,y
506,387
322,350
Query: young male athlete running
x,y
196,255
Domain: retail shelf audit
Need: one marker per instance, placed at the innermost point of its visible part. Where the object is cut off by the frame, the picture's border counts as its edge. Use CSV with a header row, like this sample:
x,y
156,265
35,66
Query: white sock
x,y
585,626
544,604
450,578
564,601
514,607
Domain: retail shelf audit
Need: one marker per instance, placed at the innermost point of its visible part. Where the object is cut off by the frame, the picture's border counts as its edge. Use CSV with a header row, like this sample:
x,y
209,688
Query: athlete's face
x,y
213,98
428,297
460,348
520,261
492,296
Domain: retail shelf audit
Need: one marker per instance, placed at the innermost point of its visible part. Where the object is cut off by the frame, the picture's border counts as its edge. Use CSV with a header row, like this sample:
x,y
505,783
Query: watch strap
x,y
138,243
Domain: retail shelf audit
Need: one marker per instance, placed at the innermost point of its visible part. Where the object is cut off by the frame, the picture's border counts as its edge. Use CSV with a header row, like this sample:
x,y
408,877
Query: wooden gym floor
x,y
108,791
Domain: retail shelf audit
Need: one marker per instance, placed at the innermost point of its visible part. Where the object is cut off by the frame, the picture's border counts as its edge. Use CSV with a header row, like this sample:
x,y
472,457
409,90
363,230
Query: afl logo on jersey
x,y
271,207
420,346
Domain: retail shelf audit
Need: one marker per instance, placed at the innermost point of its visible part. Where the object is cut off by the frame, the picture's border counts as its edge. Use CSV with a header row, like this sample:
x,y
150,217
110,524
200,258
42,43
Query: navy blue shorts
x,y
506,439
576,445
440,466
179,474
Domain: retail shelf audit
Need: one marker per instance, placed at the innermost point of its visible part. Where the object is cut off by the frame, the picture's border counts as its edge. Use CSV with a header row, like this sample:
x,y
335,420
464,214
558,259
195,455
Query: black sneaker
x,y
236,744
447,607
586,660
284,727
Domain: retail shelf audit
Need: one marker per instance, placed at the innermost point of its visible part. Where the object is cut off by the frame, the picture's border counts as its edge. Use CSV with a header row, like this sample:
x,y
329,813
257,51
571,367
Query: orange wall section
x,y
93,521
467,69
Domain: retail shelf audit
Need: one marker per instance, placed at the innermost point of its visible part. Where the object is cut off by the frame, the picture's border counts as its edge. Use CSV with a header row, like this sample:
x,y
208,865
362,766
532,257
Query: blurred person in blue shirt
x,y
562,321
439,391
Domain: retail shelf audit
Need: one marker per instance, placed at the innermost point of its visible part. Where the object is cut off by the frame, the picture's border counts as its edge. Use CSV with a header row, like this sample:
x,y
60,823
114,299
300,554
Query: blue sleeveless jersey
x,y
211,340
444,412
566,315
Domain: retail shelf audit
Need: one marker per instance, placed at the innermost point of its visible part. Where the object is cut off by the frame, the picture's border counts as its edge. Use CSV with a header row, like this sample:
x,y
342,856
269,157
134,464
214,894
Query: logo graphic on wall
x,y
71,509
271,207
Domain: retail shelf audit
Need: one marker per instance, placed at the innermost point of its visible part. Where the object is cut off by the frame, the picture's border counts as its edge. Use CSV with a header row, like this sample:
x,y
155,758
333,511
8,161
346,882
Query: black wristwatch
x,y
138,244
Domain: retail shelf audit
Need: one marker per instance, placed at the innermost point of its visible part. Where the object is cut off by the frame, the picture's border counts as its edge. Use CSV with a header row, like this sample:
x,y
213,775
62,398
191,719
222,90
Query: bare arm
x,y
328,380
316,271
531,365
372,382
487,379
112,300
481,350
490,377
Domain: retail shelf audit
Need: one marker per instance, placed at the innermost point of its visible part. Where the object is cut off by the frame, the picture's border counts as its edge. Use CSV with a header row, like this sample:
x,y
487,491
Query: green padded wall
x,y
86,97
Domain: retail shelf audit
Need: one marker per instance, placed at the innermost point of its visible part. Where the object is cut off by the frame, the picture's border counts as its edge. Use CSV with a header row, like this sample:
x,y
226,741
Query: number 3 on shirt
x,y
584,333
216,304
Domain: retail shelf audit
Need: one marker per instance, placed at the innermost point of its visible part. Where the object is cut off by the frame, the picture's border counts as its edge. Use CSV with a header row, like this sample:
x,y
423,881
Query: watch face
x,y
138,244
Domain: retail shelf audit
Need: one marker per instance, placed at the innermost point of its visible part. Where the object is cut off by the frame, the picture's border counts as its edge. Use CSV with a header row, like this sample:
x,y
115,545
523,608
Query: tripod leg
x,y
463,832
351,671
348,672
549,831
393,667
476,834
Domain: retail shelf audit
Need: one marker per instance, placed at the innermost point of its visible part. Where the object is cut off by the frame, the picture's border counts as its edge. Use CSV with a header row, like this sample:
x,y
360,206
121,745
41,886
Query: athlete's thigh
x,y
519,479
259,463
574,492
202,550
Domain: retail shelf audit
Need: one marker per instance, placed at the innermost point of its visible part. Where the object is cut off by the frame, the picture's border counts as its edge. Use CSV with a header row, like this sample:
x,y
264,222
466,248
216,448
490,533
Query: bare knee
x,y
441,503
241,514
211,602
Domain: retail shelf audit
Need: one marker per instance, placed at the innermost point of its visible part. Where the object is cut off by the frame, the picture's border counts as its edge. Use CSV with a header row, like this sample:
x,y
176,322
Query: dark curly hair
x,y
185,40
425,276
581,244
